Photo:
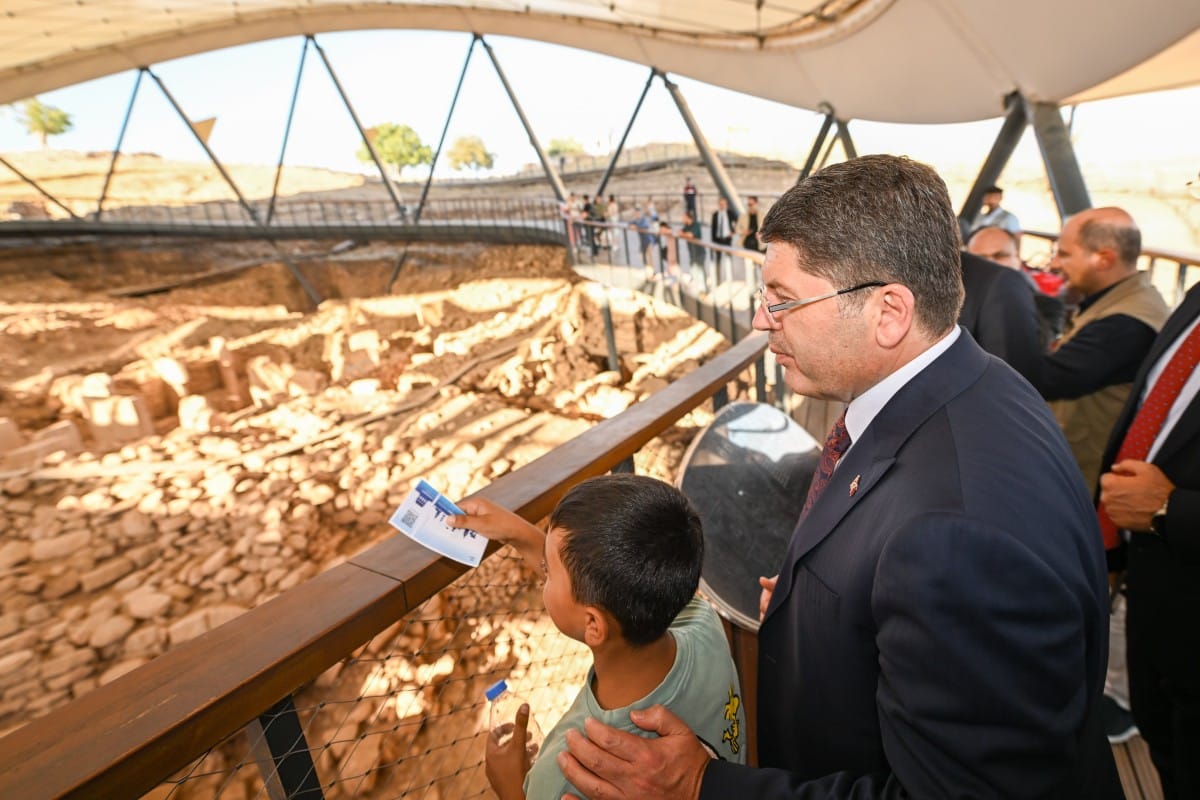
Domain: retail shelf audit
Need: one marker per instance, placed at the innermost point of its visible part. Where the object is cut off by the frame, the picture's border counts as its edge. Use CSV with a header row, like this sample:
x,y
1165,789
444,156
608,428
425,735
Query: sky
x,y
409,77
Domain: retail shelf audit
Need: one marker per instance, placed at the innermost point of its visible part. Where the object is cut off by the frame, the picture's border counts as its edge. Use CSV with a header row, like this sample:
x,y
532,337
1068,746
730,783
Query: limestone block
x,y
136,525
146,639
30,584
59,546
173,373
146,603
71,391
235,393
248,589
62,437
19,641
307,382
61,586
10,435
145,555
268,381
108,572
65,663
12,554
11,664
195,413
15,487
110,631
96,384
354,356
116,420
54,631
189,627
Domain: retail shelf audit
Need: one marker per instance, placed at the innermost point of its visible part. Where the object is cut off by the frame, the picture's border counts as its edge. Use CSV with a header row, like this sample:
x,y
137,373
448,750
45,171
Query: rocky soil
x,y
170,461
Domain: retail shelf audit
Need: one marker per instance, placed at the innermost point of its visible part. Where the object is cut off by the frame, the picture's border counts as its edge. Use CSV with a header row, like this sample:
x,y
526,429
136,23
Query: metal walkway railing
x,y
502,221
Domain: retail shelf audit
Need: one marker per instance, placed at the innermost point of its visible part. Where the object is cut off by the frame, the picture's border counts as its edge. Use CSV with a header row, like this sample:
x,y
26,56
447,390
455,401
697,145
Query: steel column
x,y
711,160
843,135
445,128
815,152
1058,154
299,276
211,155
35,185
112,164
560,191
287,132
281,751
612,164
387,182
1015,120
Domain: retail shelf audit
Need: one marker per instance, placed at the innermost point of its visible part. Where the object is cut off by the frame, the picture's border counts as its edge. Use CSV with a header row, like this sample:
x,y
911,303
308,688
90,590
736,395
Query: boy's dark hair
x,y
633,546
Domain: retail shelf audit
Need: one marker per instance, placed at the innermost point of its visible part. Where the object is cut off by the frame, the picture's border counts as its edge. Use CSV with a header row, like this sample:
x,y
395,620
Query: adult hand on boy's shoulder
x,y
608,764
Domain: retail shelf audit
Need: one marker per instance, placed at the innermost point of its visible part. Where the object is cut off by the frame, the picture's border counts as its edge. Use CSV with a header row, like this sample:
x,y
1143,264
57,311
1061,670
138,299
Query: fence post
x,y
279,747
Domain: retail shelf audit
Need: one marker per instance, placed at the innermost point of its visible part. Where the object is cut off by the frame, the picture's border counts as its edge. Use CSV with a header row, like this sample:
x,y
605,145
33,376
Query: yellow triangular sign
x,y
203,128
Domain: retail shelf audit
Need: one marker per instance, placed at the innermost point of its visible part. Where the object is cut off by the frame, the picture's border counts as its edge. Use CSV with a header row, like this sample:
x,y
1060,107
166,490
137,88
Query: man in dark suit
x,y
724,223
999,313
1000,247
1151,489
938,627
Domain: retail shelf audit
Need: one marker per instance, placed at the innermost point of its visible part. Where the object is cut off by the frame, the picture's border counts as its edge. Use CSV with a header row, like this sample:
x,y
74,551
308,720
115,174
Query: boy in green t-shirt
x,y
622,557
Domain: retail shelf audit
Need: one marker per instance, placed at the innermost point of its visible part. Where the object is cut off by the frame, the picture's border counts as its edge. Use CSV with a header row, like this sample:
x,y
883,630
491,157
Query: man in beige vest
x,y
1088,377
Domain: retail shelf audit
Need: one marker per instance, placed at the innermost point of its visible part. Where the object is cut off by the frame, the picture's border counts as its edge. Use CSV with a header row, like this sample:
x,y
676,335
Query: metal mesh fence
x,y
405,715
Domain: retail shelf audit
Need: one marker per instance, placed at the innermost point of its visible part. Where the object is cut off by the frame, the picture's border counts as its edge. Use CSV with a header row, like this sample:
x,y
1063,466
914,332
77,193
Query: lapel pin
x,y
854,485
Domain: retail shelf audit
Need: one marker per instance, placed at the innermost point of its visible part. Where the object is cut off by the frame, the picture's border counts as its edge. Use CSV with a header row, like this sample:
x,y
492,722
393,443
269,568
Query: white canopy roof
x,y
888,60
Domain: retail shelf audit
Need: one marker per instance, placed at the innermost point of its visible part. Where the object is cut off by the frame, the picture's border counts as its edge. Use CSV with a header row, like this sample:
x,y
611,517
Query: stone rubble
x,y
121,546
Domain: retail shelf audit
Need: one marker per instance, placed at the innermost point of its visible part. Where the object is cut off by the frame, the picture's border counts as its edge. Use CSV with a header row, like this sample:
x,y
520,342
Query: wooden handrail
x,y
124,738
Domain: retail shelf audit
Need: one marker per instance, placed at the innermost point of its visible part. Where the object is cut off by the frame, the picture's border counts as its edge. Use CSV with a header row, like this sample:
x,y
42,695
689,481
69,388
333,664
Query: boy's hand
x,y
499,524
507,763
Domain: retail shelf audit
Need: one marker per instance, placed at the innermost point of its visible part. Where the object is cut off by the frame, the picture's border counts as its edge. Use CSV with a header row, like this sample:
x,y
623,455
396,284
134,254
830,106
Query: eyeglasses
x,y
774,308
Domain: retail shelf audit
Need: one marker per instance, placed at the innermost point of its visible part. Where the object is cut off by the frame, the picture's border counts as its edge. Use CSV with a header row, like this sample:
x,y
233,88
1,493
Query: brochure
x,y
422,518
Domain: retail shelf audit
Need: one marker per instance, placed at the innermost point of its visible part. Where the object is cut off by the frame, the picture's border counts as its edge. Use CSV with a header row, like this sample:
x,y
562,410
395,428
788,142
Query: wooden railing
x,y
123,739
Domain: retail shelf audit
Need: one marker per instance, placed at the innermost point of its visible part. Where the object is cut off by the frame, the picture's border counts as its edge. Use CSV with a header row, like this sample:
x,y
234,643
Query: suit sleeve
x,y
1009,326
982,652
1183,521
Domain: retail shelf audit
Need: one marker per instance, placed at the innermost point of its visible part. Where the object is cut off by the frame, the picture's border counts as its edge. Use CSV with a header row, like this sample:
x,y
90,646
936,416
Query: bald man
x,y
1088,377
1001,246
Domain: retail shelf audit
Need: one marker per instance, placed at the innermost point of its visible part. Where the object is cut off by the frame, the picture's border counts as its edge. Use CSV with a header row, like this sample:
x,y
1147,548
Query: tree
x,y
469,151
44,121
564,147
398,146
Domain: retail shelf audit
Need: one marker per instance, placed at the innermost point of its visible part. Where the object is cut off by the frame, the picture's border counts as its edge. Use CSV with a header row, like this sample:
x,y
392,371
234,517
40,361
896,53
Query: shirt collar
x,y
866,406
1092,298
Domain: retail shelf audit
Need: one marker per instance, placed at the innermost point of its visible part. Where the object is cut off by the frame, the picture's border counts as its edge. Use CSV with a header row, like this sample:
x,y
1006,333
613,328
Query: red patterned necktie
x,y
836,444
1150,417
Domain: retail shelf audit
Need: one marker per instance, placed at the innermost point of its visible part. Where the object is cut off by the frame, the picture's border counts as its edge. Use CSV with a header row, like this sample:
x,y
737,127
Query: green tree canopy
x,y
398,146
44,121
469,151
564,147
